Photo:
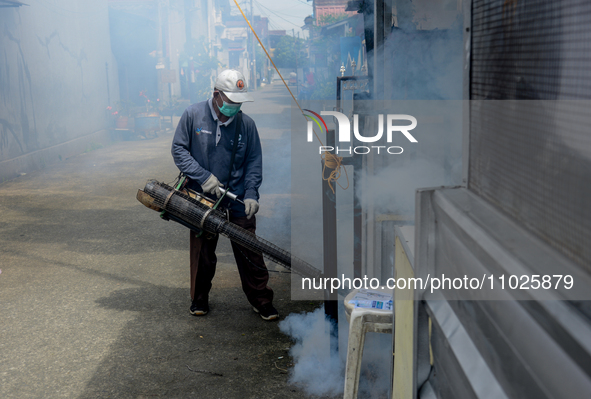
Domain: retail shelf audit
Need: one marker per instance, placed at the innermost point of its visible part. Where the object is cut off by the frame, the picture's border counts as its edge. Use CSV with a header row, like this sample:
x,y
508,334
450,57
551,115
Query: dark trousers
x,y
251,267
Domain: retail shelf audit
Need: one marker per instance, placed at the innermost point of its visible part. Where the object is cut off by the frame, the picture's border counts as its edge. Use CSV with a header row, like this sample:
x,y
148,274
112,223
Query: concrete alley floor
x,y
94,287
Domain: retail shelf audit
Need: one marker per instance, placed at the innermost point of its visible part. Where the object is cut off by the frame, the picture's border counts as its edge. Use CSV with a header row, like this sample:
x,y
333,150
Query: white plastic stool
x,y
361,321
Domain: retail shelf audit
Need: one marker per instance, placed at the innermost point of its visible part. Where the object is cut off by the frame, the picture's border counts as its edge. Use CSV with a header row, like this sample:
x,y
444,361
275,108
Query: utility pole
x,y
188,14
188,49
165,44
254,51
296,62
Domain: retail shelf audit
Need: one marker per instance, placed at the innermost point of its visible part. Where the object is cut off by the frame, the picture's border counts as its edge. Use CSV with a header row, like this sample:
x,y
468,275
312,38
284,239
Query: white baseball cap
x,y
233,84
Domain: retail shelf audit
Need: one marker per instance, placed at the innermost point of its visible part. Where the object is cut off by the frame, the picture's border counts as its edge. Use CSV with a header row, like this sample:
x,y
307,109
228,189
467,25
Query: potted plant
x,y
149,121
123,115
170,107
197,67
118,115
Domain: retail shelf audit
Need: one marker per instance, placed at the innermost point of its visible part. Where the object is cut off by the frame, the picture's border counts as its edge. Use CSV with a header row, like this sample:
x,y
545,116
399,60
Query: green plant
x,y
261,59
328,49
123,108
331,18
170,106
117,115
152,106
288,52
202,65
326,89
92,146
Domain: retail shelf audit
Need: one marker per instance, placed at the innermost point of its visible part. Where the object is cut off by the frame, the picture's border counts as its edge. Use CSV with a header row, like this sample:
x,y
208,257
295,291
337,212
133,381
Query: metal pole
x,y
357,217
188,15
108,90
368,24
296,64
188,4
166,45
254,51
356,162
329,230
378,54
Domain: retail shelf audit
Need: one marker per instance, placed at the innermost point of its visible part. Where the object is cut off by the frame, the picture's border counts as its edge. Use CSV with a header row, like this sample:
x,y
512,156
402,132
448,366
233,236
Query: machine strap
x,y
235,147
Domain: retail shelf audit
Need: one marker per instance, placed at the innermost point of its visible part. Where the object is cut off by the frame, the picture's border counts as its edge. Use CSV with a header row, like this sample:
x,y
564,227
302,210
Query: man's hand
x,y
212,186
250,207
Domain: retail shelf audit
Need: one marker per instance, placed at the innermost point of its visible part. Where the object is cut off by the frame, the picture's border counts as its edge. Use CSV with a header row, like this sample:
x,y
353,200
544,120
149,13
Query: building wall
x,y
53,74
177,39
334,10
234,41
206,22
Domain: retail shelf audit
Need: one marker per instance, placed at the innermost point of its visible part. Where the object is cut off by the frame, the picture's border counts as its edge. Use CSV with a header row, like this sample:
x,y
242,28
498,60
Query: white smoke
x,y
393,189
321,372
316,369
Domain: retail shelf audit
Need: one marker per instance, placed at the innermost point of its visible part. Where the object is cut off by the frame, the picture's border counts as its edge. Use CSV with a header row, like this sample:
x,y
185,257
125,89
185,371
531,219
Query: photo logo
x,y
311,119
344,131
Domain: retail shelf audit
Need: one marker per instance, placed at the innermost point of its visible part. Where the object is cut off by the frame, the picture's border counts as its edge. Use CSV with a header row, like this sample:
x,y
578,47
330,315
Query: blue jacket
x,y
197,154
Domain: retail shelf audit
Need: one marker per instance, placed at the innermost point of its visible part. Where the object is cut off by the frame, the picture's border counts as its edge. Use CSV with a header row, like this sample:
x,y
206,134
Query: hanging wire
x,y
331,161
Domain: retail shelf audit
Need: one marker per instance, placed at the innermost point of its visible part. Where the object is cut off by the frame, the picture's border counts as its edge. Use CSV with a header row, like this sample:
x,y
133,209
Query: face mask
x,y
229,109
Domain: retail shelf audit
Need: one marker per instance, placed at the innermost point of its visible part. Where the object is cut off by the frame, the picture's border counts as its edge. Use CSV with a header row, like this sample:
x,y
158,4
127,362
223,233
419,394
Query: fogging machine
x,y
204,216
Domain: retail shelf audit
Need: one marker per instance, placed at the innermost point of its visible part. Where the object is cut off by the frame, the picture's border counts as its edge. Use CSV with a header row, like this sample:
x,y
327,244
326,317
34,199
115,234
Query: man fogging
x,y
217,146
